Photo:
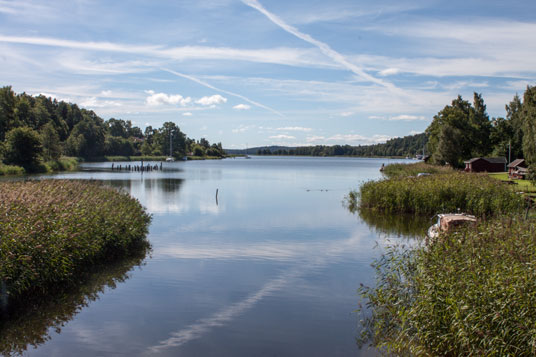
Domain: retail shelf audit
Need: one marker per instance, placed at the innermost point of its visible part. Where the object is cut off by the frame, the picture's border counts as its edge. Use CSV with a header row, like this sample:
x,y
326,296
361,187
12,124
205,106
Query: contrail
x,y
324,48
222,90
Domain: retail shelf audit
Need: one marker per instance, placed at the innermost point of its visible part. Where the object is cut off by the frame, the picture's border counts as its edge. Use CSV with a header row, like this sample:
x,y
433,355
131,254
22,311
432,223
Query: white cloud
x,y
93,102
242,107
283,137
389,72
408,117
346,114
212,100
356,138
293,128
187,114
106,93
315,139
243,128
156,99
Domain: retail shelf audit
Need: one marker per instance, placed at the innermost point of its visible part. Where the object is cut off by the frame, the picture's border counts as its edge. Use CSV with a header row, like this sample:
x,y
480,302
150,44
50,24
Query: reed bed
x,y
469,293
50,231
401,170
477,194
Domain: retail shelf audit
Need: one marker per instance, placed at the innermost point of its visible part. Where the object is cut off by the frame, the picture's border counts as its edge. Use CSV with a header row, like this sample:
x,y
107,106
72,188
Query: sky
x,y
259,72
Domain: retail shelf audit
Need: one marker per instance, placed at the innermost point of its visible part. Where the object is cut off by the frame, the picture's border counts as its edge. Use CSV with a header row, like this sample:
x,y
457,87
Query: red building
x,y
517,169
486,164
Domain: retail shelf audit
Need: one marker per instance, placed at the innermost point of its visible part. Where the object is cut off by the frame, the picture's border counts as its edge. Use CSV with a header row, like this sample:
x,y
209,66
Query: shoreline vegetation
x,y
53,231
38,132
468,292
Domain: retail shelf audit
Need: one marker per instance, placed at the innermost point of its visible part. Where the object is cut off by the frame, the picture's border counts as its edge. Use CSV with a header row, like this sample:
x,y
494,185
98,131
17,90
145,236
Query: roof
x,y
516,163
491,160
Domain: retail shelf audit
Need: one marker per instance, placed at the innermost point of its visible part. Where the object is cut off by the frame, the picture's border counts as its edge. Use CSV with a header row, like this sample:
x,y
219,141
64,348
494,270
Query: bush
x,y
23,148
468,293
477,194
51,230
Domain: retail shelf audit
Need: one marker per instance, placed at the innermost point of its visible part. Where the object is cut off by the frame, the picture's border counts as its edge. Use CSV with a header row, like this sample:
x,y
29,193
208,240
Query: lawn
x,y
522,185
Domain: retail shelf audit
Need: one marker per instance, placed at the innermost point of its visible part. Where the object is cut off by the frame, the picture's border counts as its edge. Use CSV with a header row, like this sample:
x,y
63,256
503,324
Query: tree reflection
x,y
401,225
28,323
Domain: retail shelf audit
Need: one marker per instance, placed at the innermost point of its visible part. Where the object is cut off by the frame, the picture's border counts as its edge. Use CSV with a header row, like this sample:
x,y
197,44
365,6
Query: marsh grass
x,y
477,194
50,231
402,170
8,170
471,292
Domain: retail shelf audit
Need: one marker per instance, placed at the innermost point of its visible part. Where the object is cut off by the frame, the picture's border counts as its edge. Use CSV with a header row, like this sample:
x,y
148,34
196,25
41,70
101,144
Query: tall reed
x,y
472,193
51,230
470,293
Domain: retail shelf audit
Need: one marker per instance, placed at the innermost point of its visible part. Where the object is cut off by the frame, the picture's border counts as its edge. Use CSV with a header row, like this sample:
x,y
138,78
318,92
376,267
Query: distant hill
x,y
407,146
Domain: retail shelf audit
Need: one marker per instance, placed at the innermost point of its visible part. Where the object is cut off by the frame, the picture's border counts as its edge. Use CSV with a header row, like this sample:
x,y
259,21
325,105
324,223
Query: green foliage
x,y
402,170
477,194
468,293
528,113
52,230
64,163
11,170
460,131
51,142
23,148
66,129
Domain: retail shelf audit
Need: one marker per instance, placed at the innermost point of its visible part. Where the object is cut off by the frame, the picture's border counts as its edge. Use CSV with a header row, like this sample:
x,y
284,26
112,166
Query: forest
x,y
407,146
38,129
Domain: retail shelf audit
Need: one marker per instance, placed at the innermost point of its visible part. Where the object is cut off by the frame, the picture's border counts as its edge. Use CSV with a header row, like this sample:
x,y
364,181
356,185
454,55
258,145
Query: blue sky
x,y
258,72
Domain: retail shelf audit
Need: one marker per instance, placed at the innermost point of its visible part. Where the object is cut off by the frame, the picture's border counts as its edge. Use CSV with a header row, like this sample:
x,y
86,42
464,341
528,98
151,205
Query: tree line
x,y
463,130
39,128
410,145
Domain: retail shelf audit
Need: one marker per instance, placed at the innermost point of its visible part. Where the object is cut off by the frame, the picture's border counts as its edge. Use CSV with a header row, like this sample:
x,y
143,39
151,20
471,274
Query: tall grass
x,y
7,170
469,293
400,170
472,193
52,230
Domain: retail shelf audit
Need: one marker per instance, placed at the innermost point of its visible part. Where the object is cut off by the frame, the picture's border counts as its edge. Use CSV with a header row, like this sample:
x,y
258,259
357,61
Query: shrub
x,y
51,230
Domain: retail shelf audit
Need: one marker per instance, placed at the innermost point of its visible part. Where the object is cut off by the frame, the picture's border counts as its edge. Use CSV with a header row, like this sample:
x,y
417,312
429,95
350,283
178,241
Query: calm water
x,y
269,269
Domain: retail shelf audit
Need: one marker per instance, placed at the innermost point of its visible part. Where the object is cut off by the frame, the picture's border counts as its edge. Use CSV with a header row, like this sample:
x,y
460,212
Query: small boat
x,y
170,159
449,221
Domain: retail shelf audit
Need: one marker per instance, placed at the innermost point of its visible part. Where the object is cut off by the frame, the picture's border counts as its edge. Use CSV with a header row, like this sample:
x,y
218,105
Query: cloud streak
x,y
205,84
323,47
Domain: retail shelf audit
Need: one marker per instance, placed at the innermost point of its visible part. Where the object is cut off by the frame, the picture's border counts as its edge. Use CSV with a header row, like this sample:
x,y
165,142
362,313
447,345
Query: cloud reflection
x,y
312,257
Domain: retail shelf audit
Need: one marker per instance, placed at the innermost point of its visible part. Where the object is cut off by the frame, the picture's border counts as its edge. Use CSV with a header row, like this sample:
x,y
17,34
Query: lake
x,y
269,267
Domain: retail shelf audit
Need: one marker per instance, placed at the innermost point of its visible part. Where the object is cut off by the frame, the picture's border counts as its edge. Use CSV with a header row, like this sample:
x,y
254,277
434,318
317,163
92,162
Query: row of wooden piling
x,y
137,168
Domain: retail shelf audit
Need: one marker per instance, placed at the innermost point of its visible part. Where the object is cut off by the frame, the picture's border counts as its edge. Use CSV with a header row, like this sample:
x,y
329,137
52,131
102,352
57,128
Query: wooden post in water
x,y
217,197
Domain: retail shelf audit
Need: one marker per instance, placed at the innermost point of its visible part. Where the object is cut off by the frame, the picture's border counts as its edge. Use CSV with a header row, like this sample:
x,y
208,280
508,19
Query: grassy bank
x,y
472,193
50,231
468,293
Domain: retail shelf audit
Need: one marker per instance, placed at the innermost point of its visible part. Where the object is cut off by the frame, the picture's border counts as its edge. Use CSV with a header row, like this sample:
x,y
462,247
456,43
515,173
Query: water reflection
x,y
30,323
400,225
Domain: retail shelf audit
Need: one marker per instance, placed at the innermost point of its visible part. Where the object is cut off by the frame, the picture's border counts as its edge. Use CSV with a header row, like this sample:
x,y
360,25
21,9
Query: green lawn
x,y
521,185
